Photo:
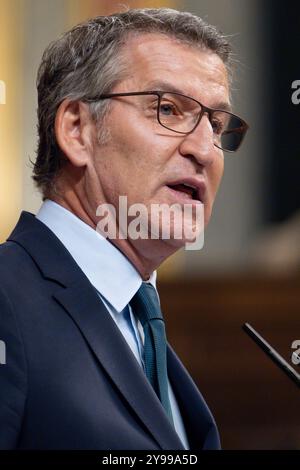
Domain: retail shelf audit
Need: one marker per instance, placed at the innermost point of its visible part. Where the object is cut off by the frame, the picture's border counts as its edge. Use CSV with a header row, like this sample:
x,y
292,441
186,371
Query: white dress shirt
x,y
112,274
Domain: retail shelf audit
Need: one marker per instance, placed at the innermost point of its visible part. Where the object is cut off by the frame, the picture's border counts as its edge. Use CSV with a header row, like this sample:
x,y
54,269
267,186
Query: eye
x,y
218,126
168,109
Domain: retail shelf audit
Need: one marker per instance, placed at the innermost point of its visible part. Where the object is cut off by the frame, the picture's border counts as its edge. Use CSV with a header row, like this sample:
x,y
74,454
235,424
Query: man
x,y
125,109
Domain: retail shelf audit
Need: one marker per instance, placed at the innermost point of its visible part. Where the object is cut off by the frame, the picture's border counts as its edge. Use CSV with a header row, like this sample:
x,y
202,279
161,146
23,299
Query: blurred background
x,y
249,268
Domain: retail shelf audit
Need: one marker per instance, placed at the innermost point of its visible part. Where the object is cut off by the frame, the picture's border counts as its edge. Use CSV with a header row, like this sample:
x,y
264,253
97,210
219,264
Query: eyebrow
x,y
167,86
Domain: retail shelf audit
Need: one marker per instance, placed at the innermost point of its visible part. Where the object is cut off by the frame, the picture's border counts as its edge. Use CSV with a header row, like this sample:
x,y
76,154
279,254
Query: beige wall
x,y
44,20
11,121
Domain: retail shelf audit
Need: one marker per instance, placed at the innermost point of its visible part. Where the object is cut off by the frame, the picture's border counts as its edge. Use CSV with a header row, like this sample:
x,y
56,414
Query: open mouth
x,y
183,188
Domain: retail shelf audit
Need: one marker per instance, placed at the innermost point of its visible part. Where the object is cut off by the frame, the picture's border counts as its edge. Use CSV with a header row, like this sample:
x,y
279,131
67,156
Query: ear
x,y
73,130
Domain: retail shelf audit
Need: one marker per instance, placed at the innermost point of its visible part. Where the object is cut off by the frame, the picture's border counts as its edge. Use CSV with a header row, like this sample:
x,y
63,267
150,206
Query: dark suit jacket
x,y
70,380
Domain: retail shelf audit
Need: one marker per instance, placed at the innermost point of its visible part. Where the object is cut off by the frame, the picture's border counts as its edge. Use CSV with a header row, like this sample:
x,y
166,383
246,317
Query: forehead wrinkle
x,y
182,66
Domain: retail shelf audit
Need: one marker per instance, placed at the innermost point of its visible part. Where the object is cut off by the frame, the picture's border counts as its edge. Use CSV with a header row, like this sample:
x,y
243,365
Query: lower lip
x,y
183,198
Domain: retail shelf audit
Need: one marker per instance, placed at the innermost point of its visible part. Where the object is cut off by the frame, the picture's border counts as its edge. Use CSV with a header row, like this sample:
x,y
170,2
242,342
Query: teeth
x,y
189,185
195,191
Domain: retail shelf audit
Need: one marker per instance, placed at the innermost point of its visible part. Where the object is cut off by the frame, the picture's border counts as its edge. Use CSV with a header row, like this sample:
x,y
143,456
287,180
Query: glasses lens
x,y
231,131
178,113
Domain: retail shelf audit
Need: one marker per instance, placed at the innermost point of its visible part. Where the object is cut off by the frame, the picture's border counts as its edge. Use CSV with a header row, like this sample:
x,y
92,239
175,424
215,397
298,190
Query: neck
x,y
145,255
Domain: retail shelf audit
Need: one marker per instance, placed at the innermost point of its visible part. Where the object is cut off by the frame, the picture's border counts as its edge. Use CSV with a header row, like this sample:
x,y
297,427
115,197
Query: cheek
x,y
141,141
143,161
217,174
134,158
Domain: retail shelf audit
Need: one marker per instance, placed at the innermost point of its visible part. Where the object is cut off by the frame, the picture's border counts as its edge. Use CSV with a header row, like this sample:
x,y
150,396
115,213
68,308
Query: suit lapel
x,y
77,296
100,331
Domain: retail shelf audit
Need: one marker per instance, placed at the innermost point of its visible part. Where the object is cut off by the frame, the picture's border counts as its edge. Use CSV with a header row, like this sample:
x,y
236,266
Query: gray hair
x,y
87,61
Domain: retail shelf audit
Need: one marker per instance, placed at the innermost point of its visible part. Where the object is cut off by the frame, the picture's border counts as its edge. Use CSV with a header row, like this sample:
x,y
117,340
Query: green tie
x,y
146,307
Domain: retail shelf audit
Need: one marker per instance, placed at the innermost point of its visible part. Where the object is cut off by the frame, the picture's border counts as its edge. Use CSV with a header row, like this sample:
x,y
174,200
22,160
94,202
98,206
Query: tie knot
x,y
145,304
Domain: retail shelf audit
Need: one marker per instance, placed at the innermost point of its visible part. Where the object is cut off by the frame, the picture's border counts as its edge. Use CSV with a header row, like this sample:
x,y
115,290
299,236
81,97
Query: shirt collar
x,y
106,267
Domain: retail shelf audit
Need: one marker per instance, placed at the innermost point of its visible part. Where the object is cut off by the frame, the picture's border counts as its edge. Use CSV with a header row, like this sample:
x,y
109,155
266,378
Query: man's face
x,y
141,159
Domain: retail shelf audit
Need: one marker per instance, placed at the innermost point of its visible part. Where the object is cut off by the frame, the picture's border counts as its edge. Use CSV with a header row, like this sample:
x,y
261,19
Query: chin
x,y
181,235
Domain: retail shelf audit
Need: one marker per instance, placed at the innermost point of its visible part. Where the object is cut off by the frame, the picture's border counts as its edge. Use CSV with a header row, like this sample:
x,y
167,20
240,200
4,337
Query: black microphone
x,y
272,353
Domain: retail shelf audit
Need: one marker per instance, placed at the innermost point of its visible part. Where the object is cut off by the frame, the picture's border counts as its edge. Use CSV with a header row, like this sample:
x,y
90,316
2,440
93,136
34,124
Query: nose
x,y
199,143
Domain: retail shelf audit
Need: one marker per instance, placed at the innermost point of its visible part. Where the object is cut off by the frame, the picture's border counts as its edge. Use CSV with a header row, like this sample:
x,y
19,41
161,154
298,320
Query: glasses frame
x,y
204,109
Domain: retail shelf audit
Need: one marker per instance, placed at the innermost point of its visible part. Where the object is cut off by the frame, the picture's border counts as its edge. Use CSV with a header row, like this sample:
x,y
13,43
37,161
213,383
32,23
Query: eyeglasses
x,y
182,114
